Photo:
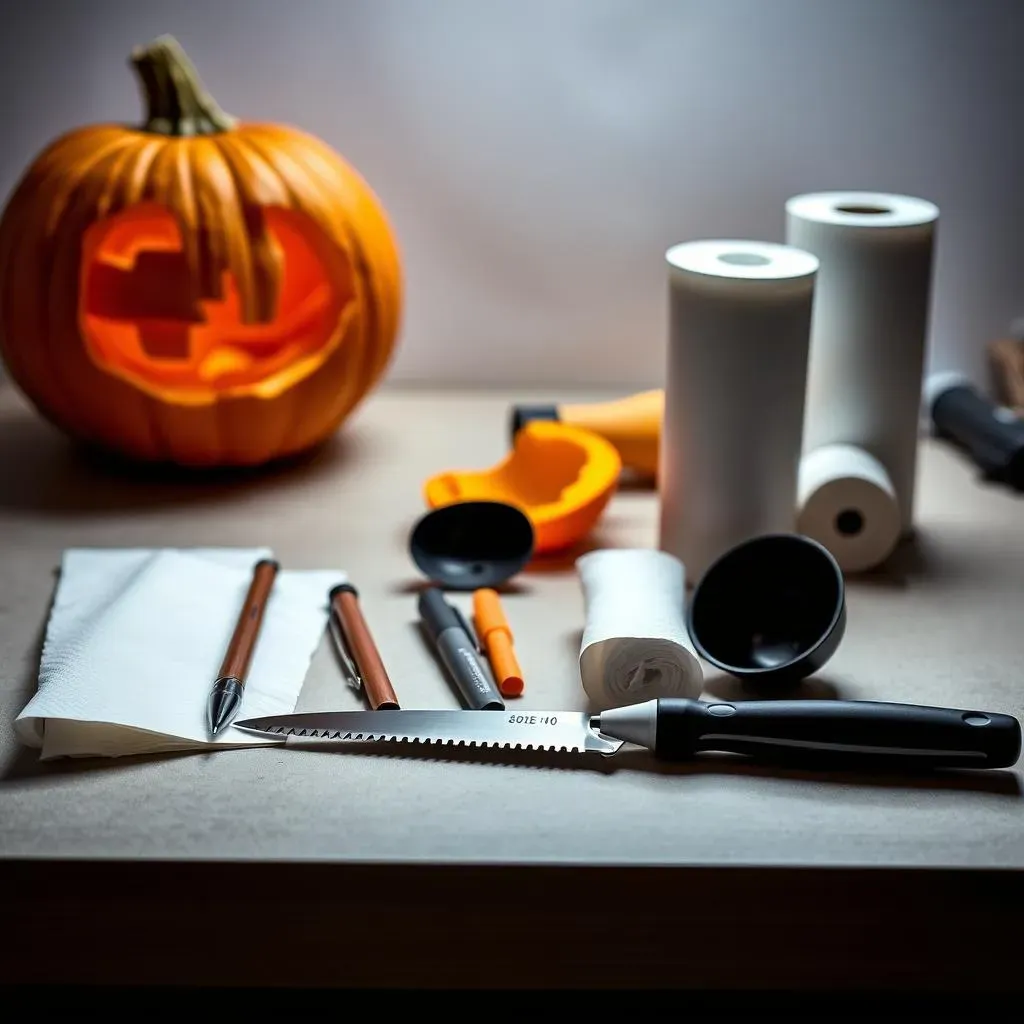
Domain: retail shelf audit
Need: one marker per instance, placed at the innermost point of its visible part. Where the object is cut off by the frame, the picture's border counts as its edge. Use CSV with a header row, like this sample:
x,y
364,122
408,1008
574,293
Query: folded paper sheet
x,y
135,639
635,643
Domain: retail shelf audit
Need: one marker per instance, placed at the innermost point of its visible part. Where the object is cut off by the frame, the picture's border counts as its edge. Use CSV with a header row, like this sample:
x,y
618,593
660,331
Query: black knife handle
x,y
799,729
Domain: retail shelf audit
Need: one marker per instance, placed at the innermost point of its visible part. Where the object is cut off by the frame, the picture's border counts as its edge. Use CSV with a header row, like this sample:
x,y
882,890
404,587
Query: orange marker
x,y
492,628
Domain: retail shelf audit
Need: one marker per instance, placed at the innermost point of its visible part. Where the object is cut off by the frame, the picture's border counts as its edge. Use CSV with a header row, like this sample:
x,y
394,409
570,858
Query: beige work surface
x,y
942,625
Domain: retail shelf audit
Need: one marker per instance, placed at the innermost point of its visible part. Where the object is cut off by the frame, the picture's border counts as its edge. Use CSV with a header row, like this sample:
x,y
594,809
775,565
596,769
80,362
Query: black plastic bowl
x,y
771,610
471,544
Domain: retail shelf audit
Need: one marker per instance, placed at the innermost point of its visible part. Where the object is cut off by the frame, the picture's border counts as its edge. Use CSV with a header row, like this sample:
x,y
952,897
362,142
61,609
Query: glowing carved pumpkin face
x,y
195,290
141,321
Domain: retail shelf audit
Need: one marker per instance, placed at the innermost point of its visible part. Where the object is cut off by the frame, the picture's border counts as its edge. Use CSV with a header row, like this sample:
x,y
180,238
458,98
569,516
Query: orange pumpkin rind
x,y
190,343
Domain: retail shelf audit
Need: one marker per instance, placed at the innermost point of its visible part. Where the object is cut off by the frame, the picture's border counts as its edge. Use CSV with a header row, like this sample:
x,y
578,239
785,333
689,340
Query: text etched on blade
x,y
533,720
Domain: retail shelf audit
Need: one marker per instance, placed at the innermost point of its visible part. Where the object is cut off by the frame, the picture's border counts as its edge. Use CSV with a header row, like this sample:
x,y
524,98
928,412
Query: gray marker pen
x,y
455,646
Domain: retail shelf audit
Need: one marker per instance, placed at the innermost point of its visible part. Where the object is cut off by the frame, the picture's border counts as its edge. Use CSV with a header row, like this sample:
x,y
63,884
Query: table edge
x,y
373,925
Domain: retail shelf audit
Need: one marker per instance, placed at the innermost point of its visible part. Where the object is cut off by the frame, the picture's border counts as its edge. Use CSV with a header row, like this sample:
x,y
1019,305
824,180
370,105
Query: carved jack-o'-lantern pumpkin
x,y
195,290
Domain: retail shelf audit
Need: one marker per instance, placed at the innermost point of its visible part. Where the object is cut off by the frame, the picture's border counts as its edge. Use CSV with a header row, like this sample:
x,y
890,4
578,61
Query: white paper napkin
x,y
136,637
635,645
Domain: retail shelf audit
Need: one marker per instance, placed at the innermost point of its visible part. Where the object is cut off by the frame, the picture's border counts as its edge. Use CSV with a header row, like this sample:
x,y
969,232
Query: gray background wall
x,y
538,156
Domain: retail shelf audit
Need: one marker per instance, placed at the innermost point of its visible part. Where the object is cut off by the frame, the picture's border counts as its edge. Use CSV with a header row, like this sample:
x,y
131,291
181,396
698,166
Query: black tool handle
x,y
798,729
994,436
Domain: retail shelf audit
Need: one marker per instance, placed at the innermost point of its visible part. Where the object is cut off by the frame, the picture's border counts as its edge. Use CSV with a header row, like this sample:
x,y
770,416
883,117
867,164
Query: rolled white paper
x,y
848,503
636,646
739,332
870,324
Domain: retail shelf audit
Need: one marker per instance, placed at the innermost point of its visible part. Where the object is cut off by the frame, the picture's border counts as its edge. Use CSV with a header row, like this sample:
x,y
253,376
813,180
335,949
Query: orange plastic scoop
x,y
562,477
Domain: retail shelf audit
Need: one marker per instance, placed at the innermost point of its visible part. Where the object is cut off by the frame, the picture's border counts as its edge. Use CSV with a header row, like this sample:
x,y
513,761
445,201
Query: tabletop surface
x,y
940,625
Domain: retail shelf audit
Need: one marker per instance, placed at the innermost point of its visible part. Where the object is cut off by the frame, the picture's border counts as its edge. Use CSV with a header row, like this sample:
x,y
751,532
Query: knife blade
x,y
676,728
570,731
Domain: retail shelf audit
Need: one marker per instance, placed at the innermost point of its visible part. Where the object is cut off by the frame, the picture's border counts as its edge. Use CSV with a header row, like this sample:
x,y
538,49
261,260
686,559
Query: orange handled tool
x,y
492,628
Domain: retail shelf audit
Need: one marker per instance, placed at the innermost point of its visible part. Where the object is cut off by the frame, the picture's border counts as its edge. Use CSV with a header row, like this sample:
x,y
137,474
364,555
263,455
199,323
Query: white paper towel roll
x,y
848,503
870,324
636,646
739,331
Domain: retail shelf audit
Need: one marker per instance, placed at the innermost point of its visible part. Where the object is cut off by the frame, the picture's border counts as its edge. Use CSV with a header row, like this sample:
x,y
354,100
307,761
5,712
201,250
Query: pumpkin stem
x,y
177,102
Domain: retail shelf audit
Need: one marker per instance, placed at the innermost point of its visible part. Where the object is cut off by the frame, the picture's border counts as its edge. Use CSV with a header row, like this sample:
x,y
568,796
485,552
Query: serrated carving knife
x,y
677,728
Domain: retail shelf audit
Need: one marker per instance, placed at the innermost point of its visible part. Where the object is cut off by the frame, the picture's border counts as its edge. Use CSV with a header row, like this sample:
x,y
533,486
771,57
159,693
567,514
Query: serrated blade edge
x,y
568,731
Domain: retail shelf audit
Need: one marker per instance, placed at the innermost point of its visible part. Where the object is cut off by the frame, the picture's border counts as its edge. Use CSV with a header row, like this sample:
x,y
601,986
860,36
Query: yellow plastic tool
x,y
632,424
562,477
